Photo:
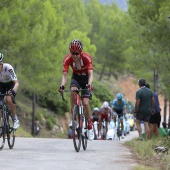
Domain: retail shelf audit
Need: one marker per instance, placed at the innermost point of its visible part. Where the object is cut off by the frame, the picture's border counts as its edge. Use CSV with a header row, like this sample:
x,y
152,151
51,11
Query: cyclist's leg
x,y
11,105
86,96
99,125
114,117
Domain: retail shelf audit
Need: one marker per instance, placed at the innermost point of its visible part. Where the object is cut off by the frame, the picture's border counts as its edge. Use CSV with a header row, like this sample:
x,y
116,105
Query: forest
x,y
35,35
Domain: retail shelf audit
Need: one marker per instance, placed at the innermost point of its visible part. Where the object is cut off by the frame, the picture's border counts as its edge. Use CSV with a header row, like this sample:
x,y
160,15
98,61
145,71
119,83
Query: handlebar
x,y
77,91
6,94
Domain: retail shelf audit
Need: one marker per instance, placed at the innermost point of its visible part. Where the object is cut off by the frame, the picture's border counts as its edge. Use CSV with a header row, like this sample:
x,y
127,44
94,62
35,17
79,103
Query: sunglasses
x,y
75,53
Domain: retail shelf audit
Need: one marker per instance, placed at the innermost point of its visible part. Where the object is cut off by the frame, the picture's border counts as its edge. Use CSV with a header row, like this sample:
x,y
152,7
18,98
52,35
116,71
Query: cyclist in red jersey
x,y
82,77
105,113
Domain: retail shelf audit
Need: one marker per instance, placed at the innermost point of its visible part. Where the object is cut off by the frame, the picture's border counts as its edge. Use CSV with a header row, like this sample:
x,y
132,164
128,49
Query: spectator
x,y
155,119
144,107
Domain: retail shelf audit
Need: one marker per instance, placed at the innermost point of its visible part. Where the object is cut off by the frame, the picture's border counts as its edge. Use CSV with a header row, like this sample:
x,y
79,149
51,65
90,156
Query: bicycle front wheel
x,y
84,136
76,128
2,134
10,136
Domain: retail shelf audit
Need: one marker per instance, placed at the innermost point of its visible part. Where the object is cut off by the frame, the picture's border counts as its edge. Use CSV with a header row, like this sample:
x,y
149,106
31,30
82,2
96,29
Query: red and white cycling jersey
x,y
105,113
85,62
7,74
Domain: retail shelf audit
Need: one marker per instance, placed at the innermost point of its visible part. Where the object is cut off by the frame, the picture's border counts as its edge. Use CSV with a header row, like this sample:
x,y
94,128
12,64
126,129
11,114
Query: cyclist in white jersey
x,y
9,84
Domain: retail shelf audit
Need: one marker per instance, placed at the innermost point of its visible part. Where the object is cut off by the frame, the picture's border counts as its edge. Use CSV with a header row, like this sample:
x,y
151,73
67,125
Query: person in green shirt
x,y
144,107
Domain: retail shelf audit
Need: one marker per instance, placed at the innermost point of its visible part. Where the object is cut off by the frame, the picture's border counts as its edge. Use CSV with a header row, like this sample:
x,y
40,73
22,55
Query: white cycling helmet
x,y
105,104
1,58
96,109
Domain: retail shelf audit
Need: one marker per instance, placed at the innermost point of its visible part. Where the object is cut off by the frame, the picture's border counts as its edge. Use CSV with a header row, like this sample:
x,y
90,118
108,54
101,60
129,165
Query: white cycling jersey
x,y
7,74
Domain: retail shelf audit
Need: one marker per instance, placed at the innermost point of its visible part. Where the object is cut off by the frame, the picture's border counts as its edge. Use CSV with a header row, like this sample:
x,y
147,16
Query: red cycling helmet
x,y
76,46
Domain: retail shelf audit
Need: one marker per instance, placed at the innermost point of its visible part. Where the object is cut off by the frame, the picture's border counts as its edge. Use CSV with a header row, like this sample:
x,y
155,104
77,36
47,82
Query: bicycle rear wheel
x,y
2,134
76,128
84,136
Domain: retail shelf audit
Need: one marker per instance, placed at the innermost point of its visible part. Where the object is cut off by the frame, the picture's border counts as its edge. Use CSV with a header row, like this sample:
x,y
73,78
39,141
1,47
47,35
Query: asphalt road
x,y
59,154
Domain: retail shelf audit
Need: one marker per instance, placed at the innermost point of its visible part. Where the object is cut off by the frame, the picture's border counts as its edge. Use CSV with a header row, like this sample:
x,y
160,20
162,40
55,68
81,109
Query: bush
x,y
102,92
49,124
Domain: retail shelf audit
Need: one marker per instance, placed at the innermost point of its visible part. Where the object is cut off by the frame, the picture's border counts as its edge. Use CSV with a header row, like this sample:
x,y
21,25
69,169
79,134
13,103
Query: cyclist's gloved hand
x,y
61,88
12,92
90,87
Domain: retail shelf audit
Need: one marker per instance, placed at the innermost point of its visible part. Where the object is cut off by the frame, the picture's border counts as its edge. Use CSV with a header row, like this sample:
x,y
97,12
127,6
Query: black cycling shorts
x,y
4,87
81,82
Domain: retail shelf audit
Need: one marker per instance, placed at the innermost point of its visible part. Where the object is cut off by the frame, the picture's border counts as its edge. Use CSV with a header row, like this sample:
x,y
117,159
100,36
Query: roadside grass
x,y
145,155
22,133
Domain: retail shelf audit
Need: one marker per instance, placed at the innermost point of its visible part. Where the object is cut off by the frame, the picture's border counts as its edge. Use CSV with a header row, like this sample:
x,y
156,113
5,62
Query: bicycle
x,y
119,129
79,121
5,128
103,129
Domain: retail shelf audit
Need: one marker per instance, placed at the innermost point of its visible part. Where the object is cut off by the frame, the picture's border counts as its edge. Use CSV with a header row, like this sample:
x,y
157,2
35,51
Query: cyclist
x,y
119,107
105,113
82,77
95,116
10,84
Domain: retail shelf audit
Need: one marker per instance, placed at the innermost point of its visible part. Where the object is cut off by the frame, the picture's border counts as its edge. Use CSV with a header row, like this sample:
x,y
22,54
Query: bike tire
x,y
119,133
84,137
2,135
10,136
76,128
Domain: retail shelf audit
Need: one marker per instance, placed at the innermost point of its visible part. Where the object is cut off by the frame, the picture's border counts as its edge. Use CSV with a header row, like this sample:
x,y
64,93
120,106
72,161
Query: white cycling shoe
x,y
90,134
16,124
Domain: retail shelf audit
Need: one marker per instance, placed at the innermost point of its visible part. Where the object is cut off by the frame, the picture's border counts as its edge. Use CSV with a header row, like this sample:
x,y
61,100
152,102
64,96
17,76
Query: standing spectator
x,y
155,119
144,107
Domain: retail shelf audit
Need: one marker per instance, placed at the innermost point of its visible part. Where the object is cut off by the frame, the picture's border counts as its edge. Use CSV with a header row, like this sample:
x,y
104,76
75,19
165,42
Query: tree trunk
x,y
155,78
169,116
110,70
33,113
101,74
165,107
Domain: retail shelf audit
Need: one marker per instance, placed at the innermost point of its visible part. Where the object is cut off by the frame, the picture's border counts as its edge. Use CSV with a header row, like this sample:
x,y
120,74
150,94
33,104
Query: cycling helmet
x,y
76,46
1,57
105,104
142,82
96,109
119,96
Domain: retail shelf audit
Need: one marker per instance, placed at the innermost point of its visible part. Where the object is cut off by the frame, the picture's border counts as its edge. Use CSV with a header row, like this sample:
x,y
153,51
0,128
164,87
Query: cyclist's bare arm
x,y
16,85
64,78
90,79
